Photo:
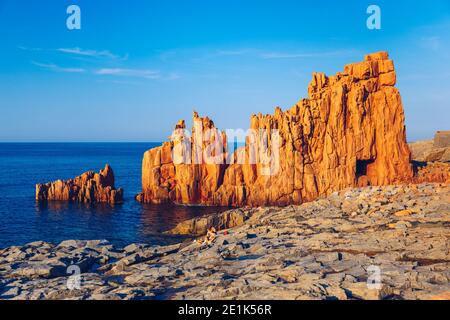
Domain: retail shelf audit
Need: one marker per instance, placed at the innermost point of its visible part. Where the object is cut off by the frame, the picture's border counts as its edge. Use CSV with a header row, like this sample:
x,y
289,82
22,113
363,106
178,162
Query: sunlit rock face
x,y
442,139
435,150
90,187
349,132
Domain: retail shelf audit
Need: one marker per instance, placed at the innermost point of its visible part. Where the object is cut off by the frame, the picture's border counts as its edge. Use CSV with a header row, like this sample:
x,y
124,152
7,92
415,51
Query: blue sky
x,y
136,67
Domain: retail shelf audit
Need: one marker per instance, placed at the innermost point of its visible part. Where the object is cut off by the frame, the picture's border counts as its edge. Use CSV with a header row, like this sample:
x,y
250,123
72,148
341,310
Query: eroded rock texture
x,y
349,132
432,172
90,187
437,149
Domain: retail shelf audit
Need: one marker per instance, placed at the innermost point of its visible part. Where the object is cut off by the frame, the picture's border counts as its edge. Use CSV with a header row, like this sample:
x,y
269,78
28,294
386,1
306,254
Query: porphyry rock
x,y
437,149
442,139
349,132
433,172
90,187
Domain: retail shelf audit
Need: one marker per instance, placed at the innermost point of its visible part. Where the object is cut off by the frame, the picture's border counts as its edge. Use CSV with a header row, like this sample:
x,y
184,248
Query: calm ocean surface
x,y
22,220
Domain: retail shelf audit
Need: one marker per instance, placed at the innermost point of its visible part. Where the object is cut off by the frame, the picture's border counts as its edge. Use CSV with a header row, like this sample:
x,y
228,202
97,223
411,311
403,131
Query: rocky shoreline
x,y
325,249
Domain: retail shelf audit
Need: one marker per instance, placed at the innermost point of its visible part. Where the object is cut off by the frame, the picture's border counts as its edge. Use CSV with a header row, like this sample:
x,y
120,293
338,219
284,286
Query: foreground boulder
x,y
349,132
220,221
90,187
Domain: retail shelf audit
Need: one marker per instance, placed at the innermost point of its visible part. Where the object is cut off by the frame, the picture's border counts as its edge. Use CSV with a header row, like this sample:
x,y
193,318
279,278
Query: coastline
x,y
325,249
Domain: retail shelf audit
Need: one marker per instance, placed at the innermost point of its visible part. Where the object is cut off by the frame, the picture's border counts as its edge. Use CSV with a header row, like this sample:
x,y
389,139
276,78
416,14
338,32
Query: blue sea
x,y
23,220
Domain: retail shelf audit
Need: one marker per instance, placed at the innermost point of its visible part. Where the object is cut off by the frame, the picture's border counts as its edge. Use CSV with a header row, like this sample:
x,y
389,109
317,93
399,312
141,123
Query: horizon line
x,y
4,142
156,142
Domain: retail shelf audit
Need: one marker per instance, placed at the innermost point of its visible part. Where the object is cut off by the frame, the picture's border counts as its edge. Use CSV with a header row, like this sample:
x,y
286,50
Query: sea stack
x,y
349,132
90,187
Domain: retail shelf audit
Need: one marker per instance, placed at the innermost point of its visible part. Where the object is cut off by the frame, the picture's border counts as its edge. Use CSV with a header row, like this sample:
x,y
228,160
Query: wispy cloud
x,y
231,52
113,72
56,68
221,53
172,76
92,53
29,48
266,54
165,56
432,42
126,82
297,55
138,73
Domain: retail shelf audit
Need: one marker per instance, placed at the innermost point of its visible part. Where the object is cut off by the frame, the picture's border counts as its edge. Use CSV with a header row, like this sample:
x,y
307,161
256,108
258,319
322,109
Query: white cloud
x,y
29,49
56,68
139,73
92,53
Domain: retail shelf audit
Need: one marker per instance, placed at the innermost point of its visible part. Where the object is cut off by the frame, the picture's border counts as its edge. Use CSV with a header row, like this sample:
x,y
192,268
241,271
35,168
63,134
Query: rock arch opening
x,y
361,167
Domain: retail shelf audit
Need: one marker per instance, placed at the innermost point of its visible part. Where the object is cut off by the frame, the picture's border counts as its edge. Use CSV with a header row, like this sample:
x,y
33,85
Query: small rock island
x,y
90,187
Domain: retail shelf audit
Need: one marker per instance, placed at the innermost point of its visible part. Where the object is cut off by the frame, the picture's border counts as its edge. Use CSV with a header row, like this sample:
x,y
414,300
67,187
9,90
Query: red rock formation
x,y
349,132
442,139
435,150
90,187
432,172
